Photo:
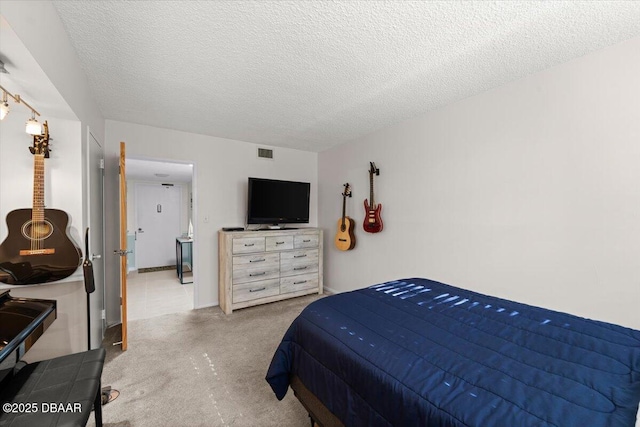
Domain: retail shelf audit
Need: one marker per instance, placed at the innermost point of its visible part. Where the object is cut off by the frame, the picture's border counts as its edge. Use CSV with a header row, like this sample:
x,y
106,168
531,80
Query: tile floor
x,y
156,293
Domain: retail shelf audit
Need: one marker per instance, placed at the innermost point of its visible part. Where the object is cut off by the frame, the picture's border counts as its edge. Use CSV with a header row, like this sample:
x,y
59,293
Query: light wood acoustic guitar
x,y
345,238
38,248
372,219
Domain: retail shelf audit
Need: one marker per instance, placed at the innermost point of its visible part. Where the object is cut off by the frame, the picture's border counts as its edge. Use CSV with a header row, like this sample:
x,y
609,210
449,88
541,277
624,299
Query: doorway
x,y
159,211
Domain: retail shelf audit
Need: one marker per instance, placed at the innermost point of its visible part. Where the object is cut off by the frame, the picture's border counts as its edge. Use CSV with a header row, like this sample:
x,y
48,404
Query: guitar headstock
x,y
373,169
41,142
347,190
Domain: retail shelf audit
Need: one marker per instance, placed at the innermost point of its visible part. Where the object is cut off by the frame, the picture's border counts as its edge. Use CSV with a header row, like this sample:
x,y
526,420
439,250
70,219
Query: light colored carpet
x,y
202,368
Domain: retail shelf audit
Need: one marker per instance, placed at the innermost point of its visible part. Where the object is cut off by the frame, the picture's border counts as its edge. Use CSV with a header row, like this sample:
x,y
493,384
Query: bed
x,y
416,352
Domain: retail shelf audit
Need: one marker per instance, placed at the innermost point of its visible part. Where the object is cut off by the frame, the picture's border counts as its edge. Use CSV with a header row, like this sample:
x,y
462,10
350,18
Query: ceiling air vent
x,y
265,153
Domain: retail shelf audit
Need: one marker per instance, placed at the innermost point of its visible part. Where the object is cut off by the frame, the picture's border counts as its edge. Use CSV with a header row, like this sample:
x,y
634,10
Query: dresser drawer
x,y
245,245
298,283
255,290
305,241
298,262
255,260
242,273
279,243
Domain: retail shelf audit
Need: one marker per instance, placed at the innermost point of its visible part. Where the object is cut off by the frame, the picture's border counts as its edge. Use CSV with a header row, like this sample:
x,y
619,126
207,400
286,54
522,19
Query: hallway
x,y
156,293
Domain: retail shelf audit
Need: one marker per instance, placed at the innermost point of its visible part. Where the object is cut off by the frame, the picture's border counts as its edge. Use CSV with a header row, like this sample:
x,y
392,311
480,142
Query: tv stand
x,y
261,266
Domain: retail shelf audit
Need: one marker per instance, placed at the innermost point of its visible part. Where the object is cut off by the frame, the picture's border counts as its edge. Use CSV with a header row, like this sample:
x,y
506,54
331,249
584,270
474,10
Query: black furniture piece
x,y
22,322
55,392
184,259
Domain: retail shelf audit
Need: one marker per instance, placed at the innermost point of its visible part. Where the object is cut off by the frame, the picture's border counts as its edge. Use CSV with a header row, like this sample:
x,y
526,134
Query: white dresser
x,y
257,267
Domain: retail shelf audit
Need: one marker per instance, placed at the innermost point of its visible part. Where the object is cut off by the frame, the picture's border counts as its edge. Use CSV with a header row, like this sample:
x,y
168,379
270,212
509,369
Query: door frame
x,y
122,253
194,212
97,307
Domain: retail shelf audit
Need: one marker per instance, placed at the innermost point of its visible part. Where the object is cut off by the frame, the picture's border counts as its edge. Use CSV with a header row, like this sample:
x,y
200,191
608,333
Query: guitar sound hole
x,y
38,230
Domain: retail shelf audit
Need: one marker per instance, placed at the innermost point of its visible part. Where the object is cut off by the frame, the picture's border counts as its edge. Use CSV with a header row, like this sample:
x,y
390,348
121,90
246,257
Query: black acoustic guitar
x,y
38,248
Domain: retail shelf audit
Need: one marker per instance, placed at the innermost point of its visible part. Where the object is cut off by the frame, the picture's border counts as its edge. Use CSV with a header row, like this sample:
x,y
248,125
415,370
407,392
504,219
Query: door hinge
x,y
101,163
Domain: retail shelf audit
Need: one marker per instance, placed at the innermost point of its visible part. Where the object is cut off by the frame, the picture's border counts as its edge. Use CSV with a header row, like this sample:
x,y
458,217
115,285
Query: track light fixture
x,y
33,126
4,107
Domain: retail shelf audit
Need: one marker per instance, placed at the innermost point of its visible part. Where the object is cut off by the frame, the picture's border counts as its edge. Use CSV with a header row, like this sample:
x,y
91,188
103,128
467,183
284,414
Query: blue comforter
x,y
415,352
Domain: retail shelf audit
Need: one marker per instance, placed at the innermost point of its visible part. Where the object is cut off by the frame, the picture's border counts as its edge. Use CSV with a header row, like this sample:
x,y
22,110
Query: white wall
x,y
529,192
63,190
185,213
221,169
39,28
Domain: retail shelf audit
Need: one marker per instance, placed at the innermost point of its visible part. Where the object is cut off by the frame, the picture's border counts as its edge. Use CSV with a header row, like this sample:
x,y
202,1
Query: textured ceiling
x,y
312,74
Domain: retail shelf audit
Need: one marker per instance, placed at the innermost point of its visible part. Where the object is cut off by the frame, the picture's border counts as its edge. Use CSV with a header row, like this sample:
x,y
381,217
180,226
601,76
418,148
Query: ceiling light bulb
x,y
33,127
4,110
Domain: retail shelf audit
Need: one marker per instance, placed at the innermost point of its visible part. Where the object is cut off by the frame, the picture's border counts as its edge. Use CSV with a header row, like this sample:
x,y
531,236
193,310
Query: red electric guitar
x,y
372,219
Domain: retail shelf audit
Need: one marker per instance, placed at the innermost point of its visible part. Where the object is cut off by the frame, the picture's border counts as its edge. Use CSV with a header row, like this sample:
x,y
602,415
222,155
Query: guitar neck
x,y
38,188
371,201
344,206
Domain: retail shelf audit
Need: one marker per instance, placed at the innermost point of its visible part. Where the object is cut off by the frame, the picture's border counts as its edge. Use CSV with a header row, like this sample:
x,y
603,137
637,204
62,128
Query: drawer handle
x,y
257,290
249,244
257,260
306,241
298,283
279,243
300,256
257,274
301,268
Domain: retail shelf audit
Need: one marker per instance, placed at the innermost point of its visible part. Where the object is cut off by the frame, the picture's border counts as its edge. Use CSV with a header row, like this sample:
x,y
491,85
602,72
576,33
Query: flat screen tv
x,y
273,201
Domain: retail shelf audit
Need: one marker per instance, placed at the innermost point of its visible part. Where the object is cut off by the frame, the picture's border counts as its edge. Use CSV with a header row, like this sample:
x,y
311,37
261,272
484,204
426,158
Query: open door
x,y
123,245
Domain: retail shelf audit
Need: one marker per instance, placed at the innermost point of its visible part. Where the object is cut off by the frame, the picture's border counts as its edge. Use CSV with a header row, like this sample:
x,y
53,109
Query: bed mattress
x,y
420,352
